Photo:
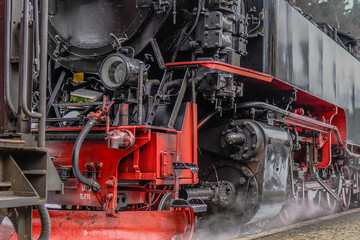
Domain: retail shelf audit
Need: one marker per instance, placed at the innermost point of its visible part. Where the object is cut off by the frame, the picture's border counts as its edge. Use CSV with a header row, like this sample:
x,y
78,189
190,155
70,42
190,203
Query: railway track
x,y
343,225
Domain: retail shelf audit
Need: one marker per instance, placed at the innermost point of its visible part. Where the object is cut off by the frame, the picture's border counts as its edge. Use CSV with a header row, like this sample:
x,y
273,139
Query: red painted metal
x,y
226,68
149,159
85,225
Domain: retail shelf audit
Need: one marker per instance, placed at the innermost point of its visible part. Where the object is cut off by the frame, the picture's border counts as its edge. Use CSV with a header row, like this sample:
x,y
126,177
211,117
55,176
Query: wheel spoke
x,y
312,203
345,192
329,203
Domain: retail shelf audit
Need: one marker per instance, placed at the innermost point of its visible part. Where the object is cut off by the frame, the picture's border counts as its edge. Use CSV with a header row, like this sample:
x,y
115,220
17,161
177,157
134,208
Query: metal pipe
x,y
140,93
43,70
206,119
123,114
198,12
25,62
172,84
7,56
340,142
295,116
36,37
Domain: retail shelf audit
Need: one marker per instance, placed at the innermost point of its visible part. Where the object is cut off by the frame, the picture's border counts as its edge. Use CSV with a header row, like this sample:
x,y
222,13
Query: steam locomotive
x,y
133,118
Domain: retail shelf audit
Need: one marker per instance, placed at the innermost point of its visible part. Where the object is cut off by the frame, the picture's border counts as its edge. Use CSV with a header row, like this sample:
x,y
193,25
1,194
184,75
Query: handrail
x,y
7,56
43,70
25,62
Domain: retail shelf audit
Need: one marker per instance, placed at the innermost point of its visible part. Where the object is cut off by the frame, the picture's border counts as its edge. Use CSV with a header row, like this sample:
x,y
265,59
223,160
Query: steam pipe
x,y
292,115
341,143
25,62
171,84
43,70
7,57
75,157
175,84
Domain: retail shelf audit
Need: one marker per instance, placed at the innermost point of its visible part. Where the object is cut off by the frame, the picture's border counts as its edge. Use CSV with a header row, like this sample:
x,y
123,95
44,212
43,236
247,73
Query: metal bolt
x,y
242,180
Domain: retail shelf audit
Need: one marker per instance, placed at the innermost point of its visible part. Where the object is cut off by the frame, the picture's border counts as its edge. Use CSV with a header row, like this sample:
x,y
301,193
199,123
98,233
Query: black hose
x,y
45,222
171,84
14,218
75,157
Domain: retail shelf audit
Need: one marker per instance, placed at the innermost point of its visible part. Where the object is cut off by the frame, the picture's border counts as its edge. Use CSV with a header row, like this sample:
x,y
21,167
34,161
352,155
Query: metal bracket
x,y
61,46
118,41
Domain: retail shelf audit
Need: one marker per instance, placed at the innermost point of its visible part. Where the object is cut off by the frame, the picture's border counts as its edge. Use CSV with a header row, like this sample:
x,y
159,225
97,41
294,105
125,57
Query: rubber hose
x,y
45,222
171,84
75,157
44,218
14,218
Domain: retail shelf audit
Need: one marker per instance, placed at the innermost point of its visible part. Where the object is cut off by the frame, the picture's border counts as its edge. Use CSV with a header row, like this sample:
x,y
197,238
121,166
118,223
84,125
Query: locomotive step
x,y
197,205
6,184
191,166
16,199
34,172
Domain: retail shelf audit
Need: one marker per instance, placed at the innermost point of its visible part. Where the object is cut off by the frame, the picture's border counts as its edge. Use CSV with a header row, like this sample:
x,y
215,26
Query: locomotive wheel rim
x,y
165,202
241,214
345,192
312,202
190,225
329,203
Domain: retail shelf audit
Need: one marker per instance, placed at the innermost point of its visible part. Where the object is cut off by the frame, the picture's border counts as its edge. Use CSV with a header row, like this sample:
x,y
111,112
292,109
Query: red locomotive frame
x,y
132,164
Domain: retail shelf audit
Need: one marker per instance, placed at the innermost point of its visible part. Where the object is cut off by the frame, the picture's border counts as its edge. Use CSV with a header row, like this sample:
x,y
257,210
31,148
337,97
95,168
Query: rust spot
x,y
68,218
